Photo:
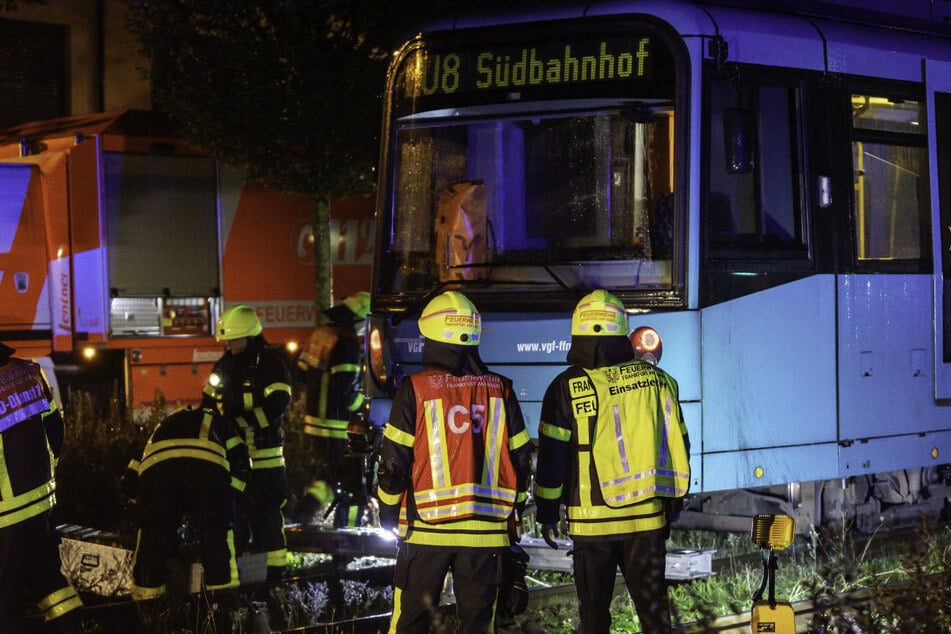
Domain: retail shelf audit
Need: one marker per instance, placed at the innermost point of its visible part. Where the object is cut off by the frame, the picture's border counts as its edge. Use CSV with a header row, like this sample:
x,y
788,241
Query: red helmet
x,y
647,344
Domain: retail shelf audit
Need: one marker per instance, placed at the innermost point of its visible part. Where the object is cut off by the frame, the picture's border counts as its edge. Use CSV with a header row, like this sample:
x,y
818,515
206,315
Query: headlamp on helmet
x,y
451,318
599,314
237,322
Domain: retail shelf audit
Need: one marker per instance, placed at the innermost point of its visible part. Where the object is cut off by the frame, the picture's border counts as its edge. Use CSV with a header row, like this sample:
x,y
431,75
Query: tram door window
x,y
942,114
889,168
754,206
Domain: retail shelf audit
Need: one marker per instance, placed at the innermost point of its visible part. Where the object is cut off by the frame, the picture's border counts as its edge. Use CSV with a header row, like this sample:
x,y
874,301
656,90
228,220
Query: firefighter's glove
x,y
672,510
513,593
389,516
550,532
129,481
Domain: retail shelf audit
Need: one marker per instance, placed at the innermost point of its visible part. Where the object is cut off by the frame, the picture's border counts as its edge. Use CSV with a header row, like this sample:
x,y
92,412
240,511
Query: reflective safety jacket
x,y
31,437
193,434
331,362
455,459
612,443
638,445
252,389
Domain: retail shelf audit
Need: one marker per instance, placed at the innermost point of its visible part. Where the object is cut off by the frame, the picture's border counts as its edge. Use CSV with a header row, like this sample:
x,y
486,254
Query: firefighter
x,y
193,466
250,386
31,438
613,448
453,472
331,366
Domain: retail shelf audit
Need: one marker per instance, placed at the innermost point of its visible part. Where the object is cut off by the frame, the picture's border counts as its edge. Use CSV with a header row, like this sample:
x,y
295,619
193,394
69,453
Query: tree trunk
x,y
323,280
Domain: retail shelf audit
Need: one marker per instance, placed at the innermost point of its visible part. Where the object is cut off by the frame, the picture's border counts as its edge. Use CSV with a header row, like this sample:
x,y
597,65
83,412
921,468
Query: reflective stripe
x,y
391,499
6,489
59,603
548,493
436,430
345,367
493,443
205,430
325,427
277,387
183,448
469,533
617,527
232,442
277,558
399,436
261,417
269,463
519,440
141,593
595,521
397,605
554,431
26,505
619,437
267,458
233,581
357,402
352,515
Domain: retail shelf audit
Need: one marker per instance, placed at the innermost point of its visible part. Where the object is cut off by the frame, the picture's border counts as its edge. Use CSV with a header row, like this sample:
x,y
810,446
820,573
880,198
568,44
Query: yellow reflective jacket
x,y
638,445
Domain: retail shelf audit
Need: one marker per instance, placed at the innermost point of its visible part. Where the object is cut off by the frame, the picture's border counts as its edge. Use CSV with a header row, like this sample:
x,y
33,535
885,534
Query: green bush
x,y
96,450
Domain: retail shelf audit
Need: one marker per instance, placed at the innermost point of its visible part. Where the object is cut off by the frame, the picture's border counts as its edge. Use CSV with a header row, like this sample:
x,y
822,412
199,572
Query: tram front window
x,y
540,200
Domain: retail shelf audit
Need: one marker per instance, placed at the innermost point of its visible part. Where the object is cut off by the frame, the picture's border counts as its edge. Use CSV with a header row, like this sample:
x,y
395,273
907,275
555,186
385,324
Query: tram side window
x,y
754,208
889,168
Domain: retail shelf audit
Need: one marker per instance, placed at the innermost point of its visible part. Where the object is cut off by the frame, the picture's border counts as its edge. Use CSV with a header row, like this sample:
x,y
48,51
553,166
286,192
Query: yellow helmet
x,y
599,314
358,303
451,318
236,322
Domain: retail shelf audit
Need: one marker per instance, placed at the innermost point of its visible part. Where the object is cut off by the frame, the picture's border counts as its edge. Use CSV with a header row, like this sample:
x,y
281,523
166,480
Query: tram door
x,y
938,83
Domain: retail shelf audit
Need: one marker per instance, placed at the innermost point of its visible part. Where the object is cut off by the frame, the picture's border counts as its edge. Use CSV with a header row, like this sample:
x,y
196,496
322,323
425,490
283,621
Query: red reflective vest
x,y
462,468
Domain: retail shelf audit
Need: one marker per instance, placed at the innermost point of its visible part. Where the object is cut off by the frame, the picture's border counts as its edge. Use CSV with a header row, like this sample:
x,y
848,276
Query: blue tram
x,y
770,191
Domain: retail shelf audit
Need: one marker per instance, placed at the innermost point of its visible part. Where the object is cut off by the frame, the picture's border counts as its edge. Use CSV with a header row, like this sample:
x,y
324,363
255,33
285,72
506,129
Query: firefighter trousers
x,y
30,573
642,558
169,492
261,518
418,583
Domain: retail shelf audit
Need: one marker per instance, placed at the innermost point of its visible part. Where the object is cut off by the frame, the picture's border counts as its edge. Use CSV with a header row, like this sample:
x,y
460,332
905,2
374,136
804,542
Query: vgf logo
x,y
460,418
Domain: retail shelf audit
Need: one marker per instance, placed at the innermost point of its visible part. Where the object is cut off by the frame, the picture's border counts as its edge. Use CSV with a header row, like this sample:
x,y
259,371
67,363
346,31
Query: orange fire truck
x,y
120,246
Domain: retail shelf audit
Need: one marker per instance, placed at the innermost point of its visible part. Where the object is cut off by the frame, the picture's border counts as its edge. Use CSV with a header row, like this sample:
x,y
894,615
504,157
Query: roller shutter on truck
x,y
161,237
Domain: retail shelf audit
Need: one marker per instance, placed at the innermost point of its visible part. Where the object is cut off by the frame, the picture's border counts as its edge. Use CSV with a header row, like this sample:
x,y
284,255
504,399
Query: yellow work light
x,y
772,533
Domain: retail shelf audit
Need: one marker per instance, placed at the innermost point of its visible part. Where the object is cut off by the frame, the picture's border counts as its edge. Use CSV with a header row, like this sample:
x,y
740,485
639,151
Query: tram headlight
x,y
377,360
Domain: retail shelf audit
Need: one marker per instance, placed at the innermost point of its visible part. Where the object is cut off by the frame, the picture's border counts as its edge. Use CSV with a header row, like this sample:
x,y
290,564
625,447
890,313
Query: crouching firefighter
x,y
194,465
31,438
454,469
